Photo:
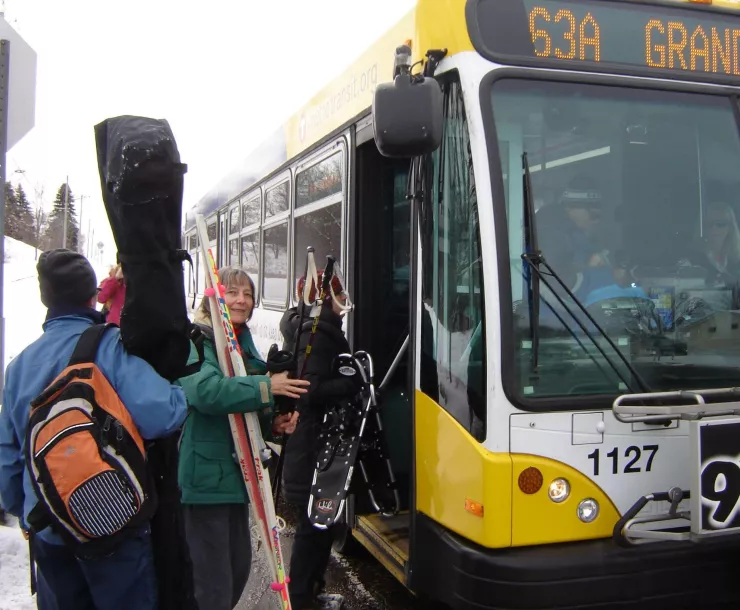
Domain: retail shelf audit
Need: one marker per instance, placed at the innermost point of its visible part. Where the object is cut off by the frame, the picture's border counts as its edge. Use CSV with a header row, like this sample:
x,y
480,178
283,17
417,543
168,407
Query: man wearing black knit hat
x,y
124,578
66,279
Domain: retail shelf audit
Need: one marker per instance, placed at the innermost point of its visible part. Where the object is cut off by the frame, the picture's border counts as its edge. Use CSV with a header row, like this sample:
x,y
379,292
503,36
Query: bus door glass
x,y
452,326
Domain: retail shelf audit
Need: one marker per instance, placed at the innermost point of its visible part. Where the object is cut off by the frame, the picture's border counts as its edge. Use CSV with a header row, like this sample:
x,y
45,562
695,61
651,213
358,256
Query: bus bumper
x,y
590,574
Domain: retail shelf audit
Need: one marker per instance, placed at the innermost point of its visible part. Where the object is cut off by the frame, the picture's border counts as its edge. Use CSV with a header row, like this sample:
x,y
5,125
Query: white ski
x,y
245,429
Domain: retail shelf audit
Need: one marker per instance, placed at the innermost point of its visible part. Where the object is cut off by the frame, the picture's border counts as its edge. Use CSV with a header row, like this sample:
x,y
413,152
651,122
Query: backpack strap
x,y
87,344
198,334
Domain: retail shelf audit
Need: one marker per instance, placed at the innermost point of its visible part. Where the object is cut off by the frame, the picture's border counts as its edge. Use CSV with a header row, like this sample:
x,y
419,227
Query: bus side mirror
x,y
407,116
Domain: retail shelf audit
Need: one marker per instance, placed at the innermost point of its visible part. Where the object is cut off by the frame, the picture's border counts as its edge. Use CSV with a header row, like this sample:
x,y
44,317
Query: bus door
x,y
381,246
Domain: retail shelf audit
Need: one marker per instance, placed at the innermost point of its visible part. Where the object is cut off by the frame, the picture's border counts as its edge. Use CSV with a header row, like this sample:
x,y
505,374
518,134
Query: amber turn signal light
x,y
474,508
530,480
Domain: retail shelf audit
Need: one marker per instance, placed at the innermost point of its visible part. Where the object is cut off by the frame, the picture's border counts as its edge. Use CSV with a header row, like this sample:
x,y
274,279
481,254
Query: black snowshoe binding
x,y
352,432
280,361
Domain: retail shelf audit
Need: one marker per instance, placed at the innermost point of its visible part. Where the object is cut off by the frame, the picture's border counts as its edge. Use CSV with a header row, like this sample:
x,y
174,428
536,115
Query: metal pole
x,y
4,69
66,199
79,245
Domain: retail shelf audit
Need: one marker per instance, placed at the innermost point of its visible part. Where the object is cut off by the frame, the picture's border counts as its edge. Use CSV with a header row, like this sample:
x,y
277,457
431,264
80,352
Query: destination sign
x,y
607,35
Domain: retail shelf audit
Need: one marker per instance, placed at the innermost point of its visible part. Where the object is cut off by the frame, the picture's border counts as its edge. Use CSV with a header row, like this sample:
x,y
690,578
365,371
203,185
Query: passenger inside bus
x,y
716,245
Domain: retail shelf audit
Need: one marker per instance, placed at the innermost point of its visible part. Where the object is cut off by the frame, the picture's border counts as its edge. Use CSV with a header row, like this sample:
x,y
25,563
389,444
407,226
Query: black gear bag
x,y
141,177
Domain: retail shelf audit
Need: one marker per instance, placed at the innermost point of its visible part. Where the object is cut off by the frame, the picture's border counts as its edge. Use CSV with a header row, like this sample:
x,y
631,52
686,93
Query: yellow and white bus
x,y
548,211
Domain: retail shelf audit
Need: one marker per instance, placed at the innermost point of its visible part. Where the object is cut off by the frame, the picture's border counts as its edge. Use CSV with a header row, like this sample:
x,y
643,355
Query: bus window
x,y
200,269
636,198
234,252
453,292
212,232
319,181
321,229
223,251
192,247
251,212
251,259
275,263
277,200
234,220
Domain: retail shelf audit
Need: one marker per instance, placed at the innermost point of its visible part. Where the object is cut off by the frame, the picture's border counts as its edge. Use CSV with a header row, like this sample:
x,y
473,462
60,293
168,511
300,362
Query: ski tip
x,y
209,292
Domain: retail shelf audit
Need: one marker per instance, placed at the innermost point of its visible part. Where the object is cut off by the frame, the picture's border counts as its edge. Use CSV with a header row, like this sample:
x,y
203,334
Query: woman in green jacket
x,y
214,497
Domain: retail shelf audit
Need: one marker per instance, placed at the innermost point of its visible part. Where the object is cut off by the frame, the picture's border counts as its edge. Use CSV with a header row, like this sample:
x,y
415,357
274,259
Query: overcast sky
x,y
224,73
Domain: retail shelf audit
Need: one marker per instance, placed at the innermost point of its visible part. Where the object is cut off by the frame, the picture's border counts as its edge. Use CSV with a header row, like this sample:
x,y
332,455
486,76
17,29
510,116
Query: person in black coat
x,y
312,546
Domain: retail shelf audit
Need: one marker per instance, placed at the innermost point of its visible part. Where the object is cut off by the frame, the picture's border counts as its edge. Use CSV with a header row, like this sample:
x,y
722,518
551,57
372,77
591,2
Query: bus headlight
x,y
588,510
559,490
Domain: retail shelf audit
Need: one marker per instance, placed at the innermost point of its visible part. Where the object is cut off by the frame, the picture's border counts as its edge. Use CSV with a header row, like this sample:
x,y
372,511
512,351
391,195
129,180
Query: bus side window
x,y
251,259
453,290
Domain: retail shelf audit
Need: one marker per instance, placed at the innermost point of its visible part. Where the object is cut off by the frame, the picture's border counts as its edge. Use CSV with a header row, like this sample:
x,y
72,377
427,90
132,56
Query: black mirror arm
x,y
434,56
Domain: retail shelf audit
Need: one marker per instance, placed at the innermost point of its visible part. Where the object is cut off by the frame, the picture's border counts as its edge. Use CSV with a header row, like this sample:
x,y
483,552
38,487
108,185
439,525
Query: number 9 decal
x,y
720,491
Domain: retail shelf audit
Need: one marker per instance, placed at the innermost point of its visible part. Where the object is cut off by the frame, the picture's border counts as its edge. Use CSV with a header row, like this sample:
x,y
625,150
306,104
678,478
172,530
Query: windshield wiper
x,y
534,259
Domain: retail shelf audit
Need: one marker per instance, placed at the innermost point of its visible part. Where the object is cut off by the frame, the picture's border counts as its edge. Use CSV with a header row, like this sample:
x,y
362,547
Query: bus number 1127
x,y
632,455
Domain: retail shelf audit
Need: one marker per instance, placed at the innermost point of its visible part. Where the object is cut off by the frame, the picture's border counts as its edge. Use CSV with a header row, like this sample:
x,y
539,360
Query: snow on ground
x,y
24,314
15,592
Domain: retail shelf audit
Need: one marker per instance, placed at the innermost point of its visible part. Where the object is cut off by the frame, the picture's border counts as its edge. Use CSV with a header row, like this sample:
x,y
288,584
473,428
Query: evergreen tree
x,y
54,231
12,218
40,222
25,217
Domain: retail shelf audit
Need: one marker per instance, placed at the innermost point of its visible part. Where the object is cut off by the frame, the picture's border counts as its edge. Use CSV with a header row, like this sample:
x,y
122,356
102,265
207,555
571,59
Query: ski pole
x,y
296,341
325,282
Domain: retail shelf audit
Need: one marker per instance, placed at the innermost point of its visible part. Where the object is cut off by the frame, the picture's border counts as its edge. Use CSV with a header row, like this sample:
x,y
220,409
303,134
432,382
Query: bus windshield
x,y
636,195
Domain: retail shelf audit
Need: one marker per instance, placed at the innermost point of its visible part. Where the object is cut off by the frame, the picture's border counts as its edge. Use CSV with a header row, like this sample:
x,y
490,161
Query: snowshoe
x,y
374,459
340,439
352,433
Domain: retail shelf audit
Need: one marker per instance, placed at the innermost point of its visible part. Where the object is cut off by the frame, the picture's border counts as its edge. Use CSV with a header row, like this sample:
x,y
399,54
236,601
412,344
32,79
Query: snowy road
x,y
15,592
365,584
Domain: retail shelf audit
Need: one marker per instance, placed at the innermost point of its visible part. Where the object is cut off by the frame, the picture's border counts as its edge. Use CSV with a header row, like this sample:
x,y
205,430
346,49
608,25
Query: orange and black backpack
x,y
86,458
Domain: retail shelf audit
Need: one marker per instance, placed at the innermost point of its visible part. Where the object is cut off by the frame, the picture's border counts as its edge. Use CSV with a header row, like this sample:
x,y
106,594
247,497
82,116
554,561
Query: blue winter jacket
x,y
157,407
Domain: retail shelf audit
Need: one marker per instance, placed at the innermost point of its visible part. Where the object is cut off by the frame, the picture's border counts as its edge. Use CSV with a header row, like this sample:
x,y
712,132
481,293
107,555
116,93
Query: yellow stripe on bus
x,y
453,470
432,24
536,519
